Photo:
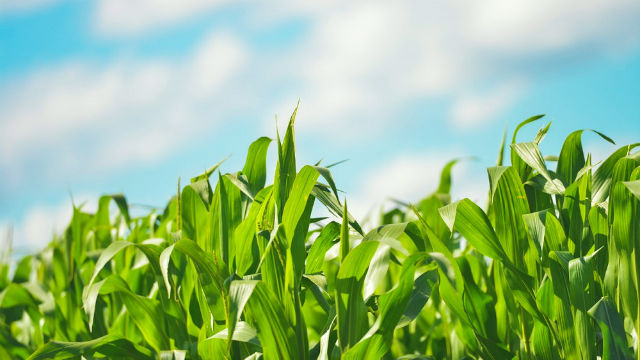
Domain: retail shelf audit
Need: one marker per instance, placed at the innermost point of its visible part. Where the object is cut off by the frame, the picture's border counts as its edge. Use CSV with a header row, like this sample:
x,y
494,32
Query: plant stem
x,y
524,334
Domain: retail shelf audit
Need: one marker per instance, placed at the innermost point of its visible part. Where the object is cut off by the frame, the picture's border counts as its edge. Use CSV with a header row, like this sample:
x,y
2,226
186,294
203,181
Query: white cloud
x,y
533,26
81,117
472,109
411,176
125,17
359,62
364,60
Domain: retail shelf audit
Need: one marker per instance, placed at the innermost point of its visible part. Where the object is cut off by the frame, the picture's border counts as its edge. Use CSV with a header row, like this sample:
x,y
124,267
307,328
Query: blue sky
x,y
125,96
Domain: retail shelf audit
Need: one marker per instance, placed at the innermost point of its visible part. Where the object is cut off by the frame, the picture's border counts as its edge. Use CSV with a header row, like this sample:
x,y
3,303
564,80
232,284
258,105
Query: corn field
x,y
232,268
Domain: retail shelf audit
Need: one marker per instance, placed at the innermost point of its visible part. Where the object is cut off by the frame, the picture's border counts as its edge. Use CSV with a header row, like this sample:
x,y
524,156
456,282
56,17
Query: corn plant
x,y
233,268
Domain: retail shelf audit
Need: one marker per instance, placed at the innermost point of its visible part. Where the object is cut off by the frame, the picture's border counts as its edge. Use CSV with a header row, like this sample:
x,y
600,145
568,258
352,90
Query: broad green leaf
x,y
286,166
350,307
244,237
531,155
472,223
300,194
243,332
390,235
321,245
580,276
377,270
240,181
371,348
16,295
145,312
255,167
613,335
266,314
194,218
509,202
108,345
541,338
571,158
519,165
634,187
536,226
239,293
165,258
602,176
445,177
479,306
422,287
210,290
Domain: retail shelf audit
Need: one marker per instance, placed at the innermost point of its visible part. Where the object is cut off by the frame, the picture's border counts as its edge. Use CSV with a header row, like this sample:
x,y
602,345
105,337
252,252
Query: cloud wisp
x,y
358,63
84,117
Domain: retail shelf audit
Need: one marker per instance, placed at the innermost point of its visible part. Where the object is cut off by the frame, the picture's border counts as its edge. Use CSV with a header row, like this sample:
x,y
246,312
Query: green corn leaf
x,y
194,218
633,187
371,348
602,176
478,305
541,338
243,332
207,173
241,183
16,295
255,166
350,307
244,237
151,252
109,345
571,158
164,259
324,241
472,223
500,159
519,165
509,202
445,177
580,276
332,203
531,155
239,293
266,314
300,195
286,166
344,234
422,288
173,355
144,312
613,335
523,123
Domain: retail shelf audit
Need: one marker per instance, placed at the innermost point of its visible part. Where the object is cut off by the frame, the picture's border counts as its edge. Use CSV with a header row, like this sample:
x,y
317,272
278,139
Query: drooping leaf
x,y
108,345
611,325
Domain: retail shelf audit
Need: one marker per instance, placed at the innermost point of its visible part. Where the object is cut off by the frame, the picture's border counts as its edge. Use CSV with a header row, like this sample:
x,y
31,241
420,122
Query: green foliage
x,y
237,269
